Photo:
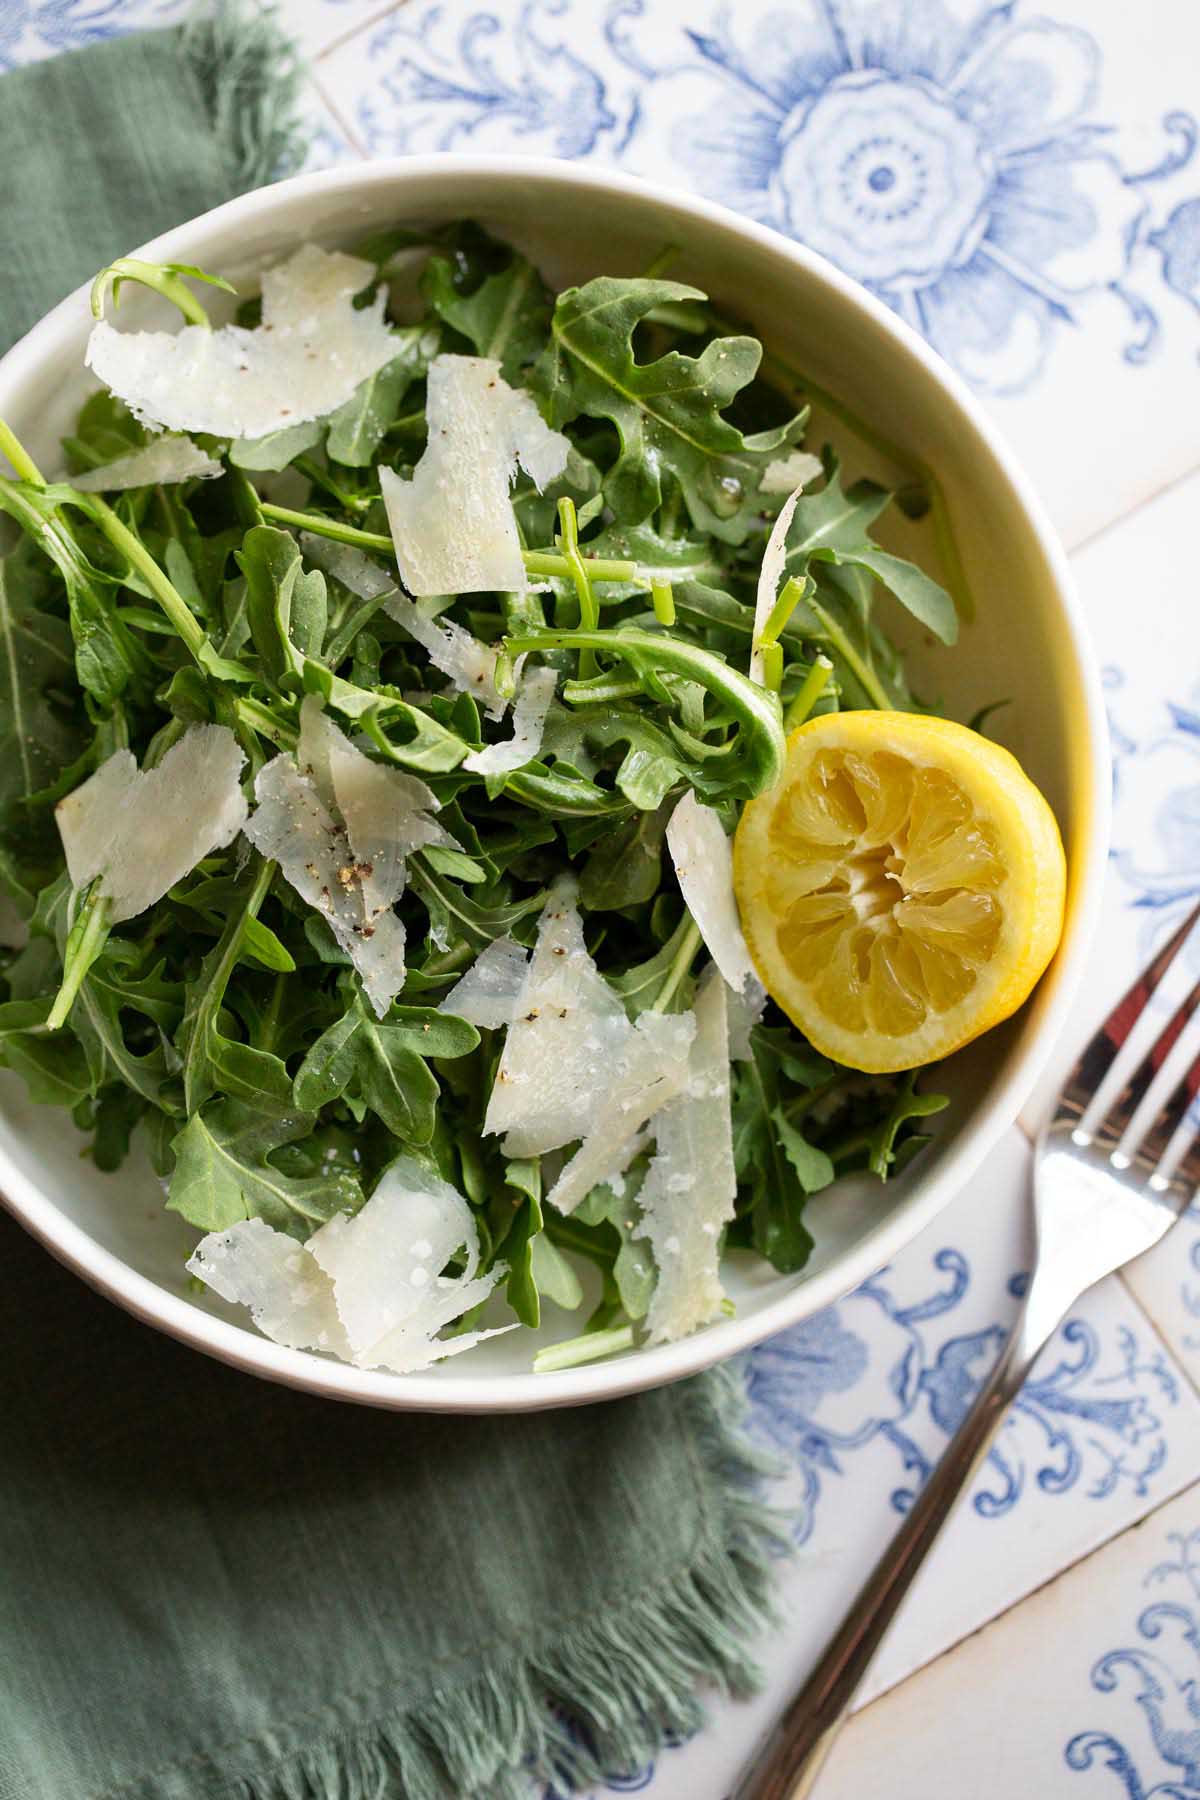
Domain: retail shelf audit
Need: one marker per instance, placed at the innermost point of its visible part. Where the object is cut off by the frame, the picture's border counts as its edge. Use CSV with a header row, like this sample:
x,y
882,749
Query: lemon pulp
x,y
901,888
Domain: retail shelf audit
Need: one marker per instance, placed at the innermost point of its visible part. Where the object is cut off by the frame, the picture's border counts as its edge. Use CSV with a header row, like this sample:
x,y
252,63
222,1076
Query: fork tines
x,y
1101,1054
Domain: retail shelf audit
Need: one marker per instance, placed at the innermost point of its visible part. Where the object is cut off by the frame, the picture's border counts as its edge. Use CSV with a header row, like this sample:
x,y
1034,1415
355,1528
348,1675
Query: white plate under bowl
x,y
1027,644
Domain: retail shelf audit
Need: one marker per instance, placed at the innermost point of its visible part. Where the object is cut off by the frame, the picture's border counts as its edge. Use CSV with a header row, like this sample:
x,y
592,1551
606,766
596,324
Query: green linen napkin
x,y
214,1589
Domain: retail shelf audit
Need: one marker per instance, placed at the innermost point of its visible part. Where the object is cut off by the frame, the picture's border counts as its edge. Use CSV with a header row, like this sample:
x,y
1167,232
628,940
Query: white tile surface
x,y
861,1400
1138,587
1012,184
1088,1691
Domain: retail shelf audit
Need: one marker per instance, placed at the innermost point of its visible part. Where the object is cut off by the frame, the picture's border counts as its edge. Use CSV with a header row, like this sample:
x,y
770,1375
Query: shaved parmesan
x,y
386,1265
310,352
167,459
487,994
353,568
745,1011
290,1297
773,563
703,862
569,1034
369,1289
654,1069
452,524
470,665
292,826
386,812
534,694
141,832
789,472
689,1191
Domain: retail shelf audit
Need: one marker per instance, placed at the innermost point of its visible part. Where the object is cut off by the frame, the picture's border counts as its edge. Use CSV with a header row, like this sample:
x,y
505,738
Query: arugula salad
x,y
382,684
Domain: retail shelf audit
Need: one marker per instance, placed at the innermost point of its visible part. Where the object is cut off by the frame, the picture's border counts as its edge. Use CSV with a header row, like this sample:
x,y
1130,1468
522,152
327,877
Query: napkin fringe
x,y
603,1697
251,75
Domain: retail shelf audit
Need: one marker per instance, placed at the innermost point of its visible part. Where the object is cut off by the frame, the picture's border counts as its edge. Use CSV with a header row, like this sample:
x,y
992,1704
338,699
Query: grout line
x,y
1189,1386
1189,1487
342,123
1121,519
367,24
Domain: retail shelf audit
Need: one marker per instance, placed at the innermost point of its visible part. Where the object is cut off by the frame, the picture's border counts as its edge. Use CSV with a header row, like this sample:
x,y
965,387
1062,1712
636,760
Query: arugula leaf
x,y
212,1061
52,1065
776,1168
517,1244
505,317
359,425
285,603
667,413
382,1063
224,1172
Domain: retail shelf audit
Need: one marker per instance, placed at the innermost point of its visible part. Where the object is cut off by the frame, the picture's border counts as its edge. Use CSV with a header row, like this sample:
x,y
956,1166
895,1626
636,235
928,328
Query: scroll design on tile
x,y
872,1373
1161,1674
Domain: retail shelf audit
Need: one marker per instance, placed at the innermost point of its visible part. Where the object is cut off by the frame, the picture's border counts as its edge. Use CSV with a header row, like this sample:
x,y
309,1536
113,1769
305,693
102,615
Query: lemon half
x,y
901,887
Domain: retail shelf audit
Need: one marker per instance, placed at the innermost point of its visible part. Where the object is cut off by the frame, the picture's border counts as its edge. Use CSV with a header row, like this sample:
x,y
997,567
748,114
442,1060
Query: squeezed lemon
x,y
901,887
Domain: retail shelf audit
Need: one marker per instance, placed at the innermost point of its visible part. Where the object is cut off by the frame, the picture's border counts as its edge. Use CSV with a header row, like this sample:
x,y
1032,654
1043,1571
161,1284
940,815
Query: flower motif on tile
x,y
1178,243
32,29
1156,832
941,152
872,1372
462,80
1161,1674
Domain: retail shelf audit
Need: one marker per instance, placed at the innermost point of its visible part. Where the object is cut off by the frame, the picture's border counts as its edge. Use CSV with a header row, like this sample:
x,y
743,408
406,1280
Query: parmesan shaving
x,y
141,832
167,459
788,472
534,694
452,524
353,568
689,1191
470,665
292,826
703,862
569,1034
744,1011
487,994
310,352
773,563
654,1069
385,811
386,1265
290,1297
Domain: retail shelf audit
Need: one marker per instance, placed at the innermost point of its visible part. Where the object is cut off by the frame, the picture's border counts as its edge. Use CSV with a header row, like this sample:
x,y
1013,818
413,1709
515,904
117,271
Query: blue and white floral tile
x,y
860,1401
33,29
1024,190
1089,1690
1136,586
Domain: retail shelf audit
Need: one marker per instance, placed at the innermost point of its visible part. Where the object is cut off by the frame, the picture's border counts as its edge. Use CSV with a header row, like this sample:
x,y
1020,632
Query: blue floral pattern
x,y
31,29
867,1372
1162,1672
945,153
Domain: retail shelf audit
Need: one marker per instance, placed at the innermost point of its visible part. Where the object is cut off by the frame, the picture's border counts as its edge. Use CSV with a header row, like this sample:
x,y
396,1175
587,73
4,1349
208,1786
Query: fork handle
x,y
788,1763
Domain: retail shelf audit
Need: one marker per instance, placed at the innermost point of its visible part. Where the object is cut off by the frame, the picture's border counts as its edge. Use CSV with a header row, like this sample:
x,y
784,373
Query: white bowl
x,y
1028,645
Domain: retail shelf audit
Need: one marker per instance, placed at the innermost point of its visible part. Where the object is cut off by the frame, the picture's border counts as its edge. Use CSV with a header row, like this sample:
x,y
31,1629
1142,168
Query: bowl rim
x,y
244,1348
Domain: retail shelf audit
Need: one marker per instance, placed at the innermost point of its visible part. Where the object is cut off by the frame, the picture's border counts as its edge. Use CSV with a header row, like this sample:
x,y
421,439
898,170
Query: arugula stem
x,y
663,596
186,624
599,568
163,279
330,528
23,464
772,666
809,692
790,597
260,718
585,1349
589,611
84,945
689,943
866,675
322,479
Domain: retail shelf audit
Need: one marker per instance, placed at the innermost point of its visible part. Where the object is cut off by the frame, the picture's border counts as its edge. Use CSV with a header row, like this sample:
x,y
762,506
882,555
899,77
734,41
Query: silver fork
x,y
1097,1205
